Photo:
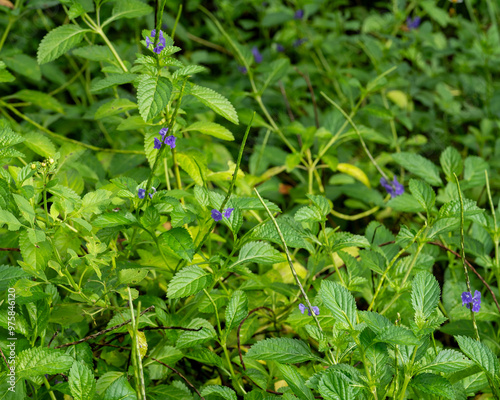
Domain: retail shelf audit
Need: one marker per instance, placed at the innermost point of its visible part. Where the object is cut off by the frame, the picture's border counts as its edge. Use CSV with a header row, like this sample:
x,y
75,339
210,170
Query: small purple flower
x,y
242,69
163,132
280,48
476,300
157,144
148,42
466,298
413,23
161,43
256,55
315,310
151,194
394,188
227,212
302,308
299,14
216,215
142,193
170,141
298,42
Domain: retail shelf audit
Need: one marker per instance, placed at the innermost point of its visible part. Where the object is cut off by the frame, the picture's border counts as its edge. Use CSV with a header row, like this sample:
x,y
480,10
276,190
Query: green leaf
x,y
212,129
132,275
25,208
278,69
425,295
111,81
375,321
188,281
40,144
128,9
334,385
8,218
397,335
113,107
236,310
108,220
259,253
179,241
217,392
339,301
309,214
295,381
120,389
81,381
341,240
321,203
436,13
379,112
451,162
204,356
434,385
194,165
58,41
405,203
167,354
423,193
189,339
282,350
94,53
474,172
95,202
480,354
188,70
420,166
36,256
448,361
216,102
5,76
24,65
40,99
153,95
10,274
39,361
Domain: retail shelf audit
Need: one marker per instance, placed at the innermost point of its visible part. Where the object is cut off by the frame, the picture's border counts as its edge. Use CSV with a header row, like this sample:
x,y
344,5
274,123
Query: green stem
x,y
323,225
177,20
136,353
47,385
495,234
101,33
7,30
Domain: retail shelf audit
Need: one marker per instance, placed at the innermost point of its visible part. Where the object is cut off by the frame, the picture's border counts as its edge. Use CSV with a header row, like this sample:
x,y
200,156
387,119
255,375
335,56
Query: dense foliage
x,y
249,200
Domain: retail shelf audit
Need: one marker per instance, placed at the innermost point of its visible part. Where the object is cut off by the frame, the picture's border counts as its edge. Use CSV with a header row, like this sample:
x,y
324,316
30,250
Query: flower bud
x,y
33,166
51,161
44,165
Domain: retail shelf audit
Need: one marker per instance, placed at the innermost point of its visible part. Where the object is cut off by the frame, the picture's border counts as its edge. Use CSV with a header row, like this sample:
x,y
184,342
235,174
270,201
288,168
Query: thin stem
x,y
136,353
355,216
495,226
6,32
47,385
166,173
177,20
323,225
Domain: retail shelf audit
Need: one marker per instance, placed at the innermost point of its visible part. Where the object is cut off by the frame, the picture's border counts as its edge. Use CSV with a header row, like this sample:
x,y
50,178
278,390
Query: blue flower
x,y
256,55
394,188
413,23
151,194
227,212
163,132
242,69
299,14
315,310
157,144
476,300
161,42
298,42
170,141
216,215
302,308
280,48
142,193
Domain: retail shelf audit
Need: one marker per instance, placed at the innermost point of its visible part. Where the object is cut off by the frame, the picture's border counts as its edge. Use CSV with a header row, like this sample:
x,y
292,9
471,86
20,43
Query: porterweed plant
x,y
249,200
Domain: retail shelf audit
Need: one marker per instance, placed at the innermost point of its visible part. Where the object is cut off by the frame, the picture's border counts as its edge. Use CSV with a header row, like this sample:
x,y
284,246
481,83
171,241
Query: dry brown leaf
x,y
6,3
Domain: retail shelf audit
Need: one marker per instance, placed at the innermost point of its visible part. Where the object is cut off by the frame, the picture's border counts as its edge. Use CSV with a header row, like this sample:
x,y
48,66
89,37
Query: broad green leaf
x,y
253,203
434,385
201,195
204,356
375,321
179,241
36,256
167,354
8,218
424,296
58,41
423,193
188,70
217,391
5,76
188,281
309,214
128,9
420,166
107,379
169,392
406,203
40,99
322,203
341,240
282,350
480,354
474,172
120,389
212,129
216,102
339,301
113,107
189,339
295,381
397,335
94,53
10,274
111,81
81,381
379,112
95,202
194,165
153,95
24,65
448,361
38,361
334,385
278,70
40,144
108,220
451,162
236,310
25,208
131,275
259,253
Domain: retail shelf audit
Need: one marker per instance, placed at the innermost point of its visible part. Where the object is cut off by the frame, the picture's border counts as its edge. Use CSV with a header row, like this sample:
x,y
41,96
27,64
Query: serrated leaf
x,y
405,203
259,253
40,99
94,53
375,321
131,275
128,9
40,144
58,41
108,220
194,165
419,166
5,76
448,361
217,391
81,381
9,274
179,241
451,162
334,385
111,81
113,107
425,295
216,102
339,301
204,356
236,310
433,384
8,218
39,361
278,70
153,95
120,389
192,338
423,193
212,129
295,381
397,335
95,202
188,70
309,214
282,350
341,240
188,281
8,137
37,256
480,354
